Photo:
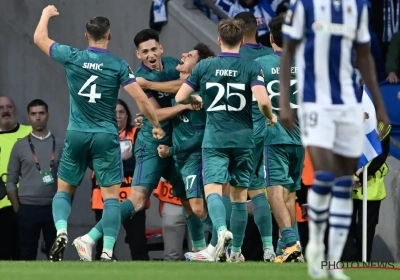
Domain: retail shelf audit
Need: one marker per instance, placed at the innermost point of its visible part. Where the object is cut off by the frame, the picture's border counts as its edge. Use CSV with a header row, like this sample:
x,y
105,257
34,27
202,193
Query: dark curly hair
x,y
204,51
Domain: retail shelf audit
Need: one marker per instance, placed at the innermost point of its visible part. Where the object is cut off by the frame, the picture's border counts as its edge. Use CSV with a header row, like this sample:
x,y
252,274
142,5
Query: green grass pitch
x,y
75,270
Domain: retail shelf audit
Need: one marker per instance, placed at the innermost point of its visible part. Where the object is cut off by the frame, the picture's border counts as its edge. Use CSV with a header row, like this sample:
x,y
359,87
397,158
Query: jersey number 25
x,y
93,94
221,93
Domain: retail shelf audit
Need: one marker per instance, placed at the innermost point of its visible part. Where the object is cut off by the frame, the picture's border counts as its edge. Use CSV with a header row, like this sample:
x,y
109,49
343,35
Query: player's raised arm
x,y
41,36
184,95
168,87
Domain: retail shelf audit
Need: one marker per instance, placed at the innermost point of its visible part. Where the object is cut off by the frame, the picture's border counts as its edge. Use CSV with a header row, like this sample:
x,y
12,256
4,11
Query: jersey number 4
x,y
92,94
221,93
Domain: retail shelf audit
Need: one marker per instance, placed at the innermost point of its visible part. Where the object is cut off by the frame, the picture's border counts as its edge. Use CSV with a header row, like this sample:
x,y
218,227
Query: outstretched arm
x,y
41,36
168,87
184,95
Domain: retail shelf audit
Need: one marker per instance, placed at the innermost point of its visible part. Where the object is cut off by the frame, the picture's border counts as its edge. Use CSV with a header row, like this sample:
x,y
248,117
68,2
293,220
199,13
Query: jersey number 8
x,y
93,94
221,93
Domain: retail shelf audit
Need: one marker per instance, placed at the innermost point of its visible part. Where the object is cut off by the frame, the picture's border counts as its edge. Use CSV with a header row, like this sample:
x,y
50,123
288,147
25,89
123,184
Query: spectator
x,y
135,226
377,170
263,10
393,59
34,162
10,132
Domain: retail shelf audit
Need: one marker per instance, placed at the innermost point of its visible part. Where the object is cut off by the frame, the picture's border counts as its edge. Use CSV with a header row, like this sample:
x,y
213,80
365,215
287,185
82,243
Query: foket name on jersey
x,y
226,73
277,70
92,66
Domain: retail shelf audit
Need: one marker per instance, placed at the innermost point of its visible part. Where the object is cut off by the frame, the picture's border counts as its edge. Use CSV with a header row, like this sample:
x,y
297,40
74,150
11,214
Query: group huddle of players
x,y
210,128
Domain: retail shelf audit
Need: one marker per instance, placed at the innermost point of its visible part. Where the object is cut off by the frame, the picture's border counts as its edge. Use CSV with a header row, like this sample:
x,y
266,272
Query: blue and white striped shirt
x,y
327,31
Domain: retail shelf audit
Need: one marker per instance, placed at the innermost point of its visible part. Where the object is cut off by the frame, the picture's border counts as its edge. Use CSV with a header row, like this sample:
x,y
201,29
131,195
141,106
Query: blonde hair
x,y
231,31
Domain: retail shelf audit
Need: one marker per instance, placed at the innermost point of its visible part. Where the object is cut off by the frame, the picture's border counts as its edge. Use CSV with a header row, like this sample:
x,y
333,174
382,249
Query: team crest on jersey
x,y
349,10
261,73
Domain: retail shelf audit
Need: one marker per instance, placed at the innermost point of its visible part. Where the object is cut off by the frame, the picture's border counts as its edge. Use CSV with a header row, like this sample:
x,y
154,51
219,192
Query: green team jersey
x,y
253,51
169,73
94,77
225,83
278,134
186,126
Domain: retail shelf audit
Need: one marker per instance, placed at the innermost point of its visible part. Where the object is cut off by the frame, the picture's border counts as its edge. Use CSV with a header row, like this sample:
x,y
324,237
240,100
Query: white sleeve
x,y
363,36
294,26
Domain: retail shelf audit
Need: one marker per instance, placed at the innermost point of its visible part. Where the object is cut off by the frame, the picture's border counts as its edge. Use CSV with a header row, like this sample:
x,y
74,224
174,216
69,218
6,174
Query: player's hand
x,y
272,121
139,120
50,11
383,121
163,151
286,116
392,78
158,133
196,100
143,83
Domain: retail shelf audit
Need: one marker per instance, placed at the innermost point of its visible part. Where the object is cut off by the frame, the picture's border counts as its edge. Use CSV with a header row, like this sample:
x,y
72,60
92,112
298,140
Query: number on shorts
x,y
310,119
221,93
190,178
93,94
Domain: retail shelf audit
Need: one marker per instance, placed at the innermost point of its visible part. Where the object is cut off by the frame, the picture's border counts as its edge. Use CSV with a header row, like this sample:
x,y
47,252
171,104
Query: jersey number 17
x,y
92,94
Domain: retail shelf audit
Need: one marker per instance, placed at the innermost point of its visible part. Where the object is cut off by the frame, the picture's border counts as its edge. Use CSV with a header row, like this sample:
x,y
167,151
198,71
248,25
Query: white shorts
x,y
339,129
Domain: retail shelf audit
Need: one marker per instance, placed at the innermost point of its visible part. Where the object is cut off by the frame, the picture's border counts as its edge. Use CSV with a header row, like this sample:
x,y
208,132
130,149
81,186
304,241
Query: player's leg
x,y
72,168
261,208
182,182
296,163
318,130
277,178
347,150
108,169
215,173
241,168
226,200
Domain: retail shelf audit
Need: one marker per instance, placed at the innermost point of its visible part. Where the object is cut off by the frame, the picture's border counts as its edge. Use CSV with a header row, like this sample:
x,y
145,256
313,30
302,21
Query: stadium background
x,y
21,61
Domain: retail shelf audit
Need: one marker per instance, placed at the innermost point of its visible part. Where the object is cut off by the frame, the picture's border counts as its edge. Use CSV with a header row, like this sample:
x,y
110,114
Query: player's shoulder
x,y
249,63
264,58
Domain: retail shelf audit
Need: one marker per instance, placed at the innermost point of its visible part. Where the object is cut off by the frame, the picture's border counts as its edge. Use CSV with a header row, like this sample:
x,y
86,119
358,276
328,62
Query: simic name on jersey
x,y
277,70
92,66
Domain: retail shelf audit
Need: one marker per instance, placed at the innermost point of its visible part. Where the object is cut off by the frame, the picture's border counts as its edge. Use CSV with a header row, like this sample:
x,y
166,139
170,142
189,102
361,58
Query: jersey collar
x,y
97,49
226,54
278,53
252,46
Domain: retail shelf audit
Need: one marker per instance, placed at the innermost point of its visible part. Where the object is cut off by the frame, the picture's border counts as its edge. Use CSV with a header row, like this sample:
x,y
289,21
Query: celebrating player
x,y
149,166
226,84
284,152
92,130
331,116
262,213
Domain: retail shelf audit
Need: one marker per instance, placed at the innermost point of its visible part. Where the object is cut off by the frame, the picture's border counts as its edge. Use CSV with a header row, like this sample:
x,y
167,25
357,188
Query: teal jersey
x,y
169,73
186,126
253,51
278,134
94,77
225,84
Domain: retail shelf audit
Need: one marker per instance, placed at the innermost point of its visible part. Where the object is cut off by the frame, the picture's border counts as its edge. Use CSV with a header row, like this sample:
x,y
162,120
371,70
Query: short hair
x,y
146,35
37,102
275,27
98,27
204,51
282,7
128,113
250,22
231,31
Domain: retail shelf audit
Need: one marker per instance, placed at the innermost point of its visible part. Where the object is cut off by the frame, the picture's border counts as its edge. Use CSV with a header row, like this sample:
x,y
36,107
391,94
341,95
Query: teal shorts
x,y
190,170
257,179
284,166
150,168
233,165
104,151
